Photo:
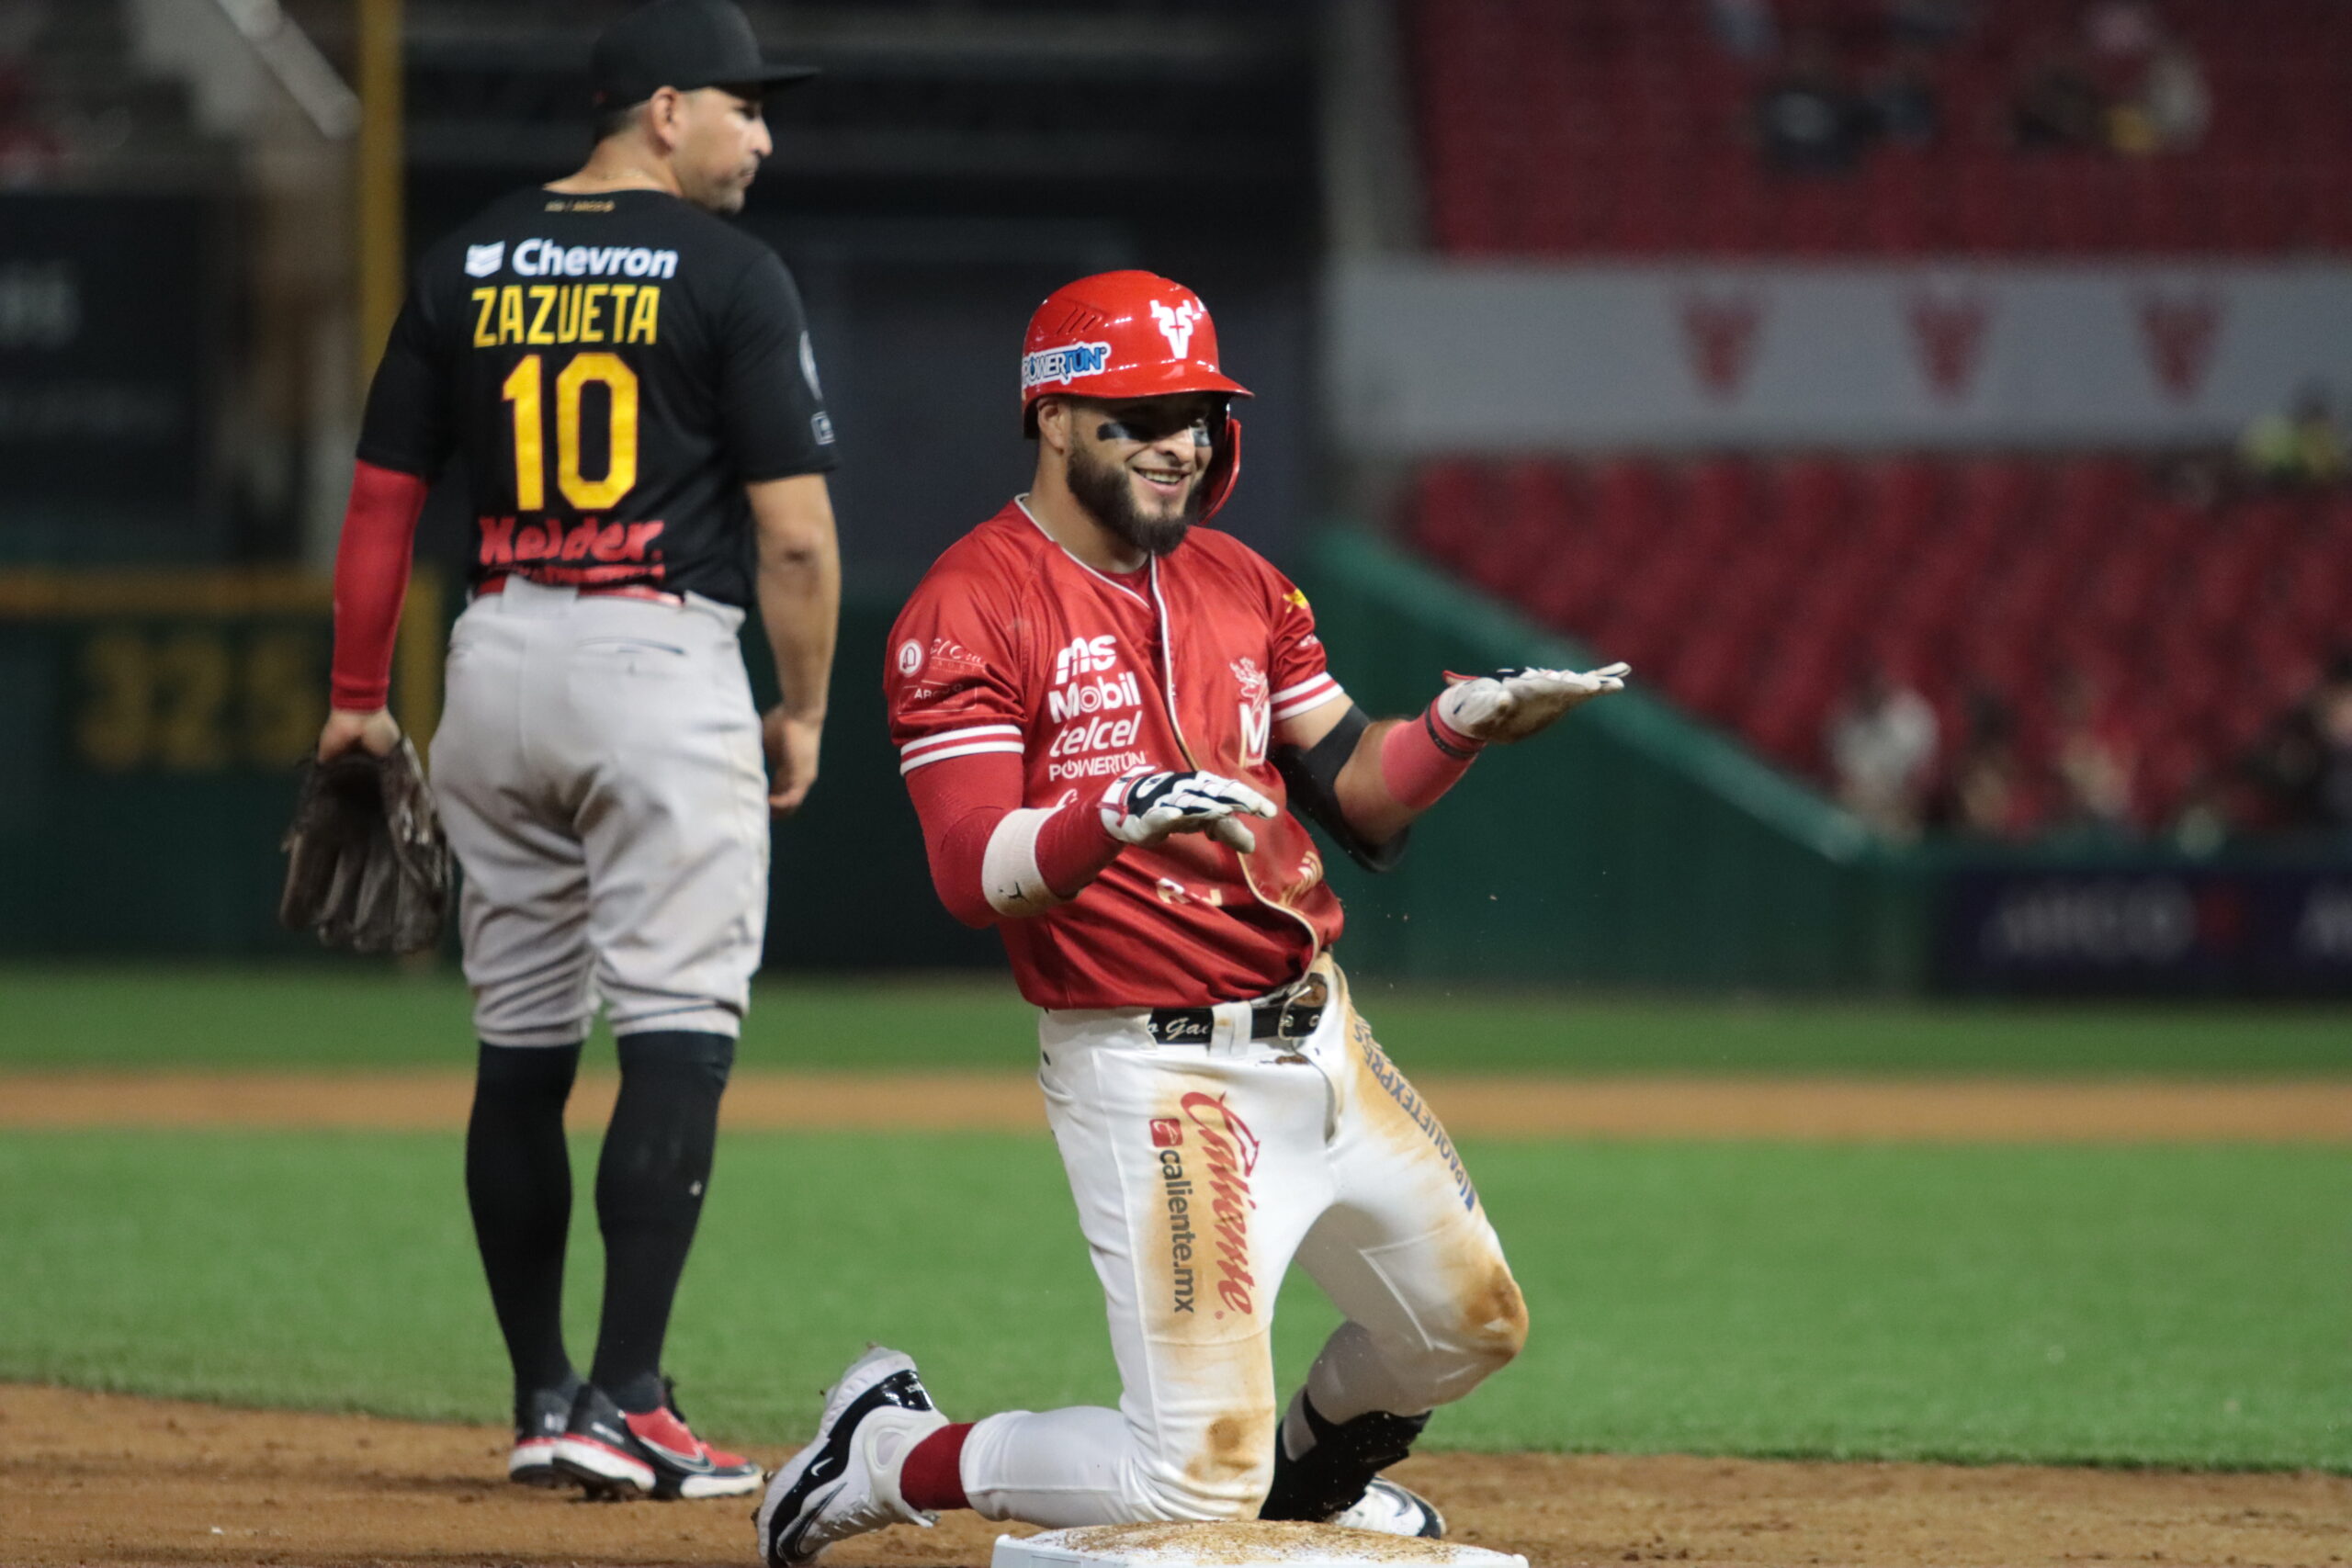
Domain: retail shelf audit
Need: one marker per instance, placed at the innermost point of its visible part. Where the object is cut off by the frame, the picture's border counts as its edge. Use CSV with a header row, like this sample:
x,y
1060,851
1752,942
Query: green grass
x,y
2116,1305
351,1015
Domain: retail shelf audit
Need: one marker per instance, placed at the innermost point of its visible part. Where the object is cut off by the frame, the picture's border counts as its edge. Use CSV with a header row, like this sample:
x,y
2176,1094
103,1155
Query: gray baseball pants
x,y
598,769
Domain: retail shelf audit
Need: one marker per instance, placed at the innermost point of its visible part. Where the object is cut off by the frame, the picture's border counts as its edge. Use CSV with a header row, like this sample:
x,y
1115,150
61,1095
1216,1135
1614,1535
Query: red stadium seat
x,y
1630,503
1454,512
1596,127
1755,593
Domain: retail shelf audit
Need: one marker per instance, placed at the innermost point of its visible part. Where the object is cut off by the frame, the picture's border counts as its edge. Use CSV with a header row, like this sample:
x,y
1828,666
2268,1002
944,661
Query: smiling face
x,y
716,139
1137,466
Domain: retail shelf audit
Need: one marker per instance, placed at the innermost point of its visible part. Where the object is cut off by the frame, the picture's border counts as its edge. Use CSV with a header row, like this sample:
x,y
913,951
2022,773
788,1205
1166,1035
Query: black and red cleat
x,y
617,1455
541,1417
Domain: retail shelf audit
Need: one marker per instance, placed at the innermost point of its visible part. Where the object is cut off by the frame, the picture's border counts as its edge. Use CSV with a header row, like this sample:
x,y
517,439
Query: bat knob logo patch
x,y
1166,1132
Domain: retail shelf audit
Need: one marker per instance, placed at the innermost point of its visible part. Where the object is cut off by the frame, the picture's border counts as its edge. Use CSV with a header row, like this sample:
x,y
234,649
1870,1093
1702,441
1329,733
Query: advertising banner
x,y
1440,358
110,313
2235,931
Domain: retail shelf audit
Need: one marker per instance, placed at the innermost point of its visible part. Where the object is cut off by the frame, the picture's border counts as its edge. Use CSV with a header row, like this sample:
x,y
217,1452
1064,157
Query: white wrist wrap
x,y
1009,874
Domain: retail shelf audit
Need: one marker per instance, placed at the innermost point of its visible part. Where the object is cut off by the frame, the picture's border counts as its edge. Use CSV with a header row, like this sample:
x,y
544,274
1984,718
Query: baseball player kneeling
x,y
1110,720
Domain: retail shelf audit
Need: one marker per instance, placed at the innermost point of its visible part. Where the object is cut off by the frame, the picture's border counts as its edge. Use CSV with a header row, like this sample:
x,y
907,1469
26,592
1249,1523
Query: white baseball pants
x,y
598,770
1201,1171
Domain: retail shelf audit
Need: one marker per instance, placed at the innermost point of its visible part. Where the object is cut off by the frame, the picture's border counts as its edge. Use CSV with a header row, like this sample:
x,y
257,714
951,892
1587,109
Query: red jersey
x,y
1011,645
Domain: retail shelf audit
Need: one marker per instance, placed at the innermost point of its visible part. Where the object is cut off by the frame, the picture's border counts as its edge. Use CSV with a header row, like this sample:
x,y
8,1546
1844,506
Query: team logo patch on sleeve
x,y
1064,365
808,368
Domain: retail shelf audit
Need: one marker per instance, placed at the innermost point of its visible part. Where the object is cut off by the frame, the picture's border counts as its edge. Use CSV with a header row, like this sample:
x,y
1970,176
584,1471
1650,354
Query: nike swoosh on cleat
x,y
787,1546
902,1388
693,1463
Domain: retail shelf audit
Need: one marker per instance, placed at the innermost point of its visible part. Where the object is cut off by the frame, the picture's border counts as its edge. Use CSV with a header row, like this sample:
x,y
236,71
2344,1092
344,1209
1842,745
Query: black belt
x,y
1289,1014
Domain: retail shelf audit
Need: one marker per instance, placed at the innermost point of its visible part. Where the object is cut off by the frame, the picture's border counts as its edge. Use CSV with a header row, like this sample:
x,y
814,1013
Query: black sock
x,y
518,1184
1331,1475
648,1194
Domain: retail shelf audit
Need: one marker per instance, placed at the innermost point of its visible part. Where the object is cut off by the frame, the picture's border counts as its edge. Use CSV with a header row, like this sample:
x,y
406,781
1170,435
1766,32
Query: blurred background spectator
x,y
2093,759
2299,447
1901,100
2169,110
2056,104
1882,750
1808,117
1929,24
1988,794
1748,30
2303,764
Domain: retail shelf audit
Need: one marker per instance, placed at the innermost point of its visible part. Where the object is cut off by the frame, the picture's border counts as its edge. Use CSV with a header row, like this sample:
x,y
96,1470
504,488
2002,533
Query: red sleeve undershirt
x,y
371,567
961,801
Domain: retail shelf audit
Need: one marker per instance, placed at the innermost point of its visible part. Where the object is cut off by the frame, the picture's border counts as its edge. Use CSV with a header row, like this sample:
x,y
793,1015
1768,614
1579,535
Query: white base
x,y
1248,1544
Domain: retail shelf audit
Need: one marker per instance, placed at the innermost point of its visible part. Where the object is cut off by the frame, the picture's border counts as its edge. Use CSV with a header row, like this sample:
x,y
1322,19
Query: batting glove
x,y
1143,807
1511,705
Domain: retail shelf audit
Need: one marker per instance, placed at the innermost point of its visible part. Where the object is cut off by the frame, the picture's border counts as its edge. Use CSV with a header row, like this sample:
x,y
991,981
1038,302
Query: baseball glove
x,y
366,866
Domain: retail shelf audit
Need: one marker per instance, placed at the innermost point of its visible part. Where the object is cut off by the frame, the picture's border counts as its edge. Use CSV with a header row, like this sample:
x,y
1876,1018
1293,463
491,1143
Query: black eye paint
x,y
1119,430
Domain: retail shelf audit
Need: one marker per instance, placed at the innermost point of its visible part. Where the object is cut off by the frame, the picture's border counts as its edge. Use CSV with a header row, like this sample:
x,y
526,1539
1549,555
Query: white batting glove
x,y
1511,705
1143,807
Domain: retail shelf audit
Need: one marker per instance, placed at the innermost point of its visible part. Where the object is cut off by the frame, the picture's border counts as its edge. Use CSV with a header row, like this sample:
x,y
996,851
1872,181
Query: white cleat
x,y
845,1482
1392,1509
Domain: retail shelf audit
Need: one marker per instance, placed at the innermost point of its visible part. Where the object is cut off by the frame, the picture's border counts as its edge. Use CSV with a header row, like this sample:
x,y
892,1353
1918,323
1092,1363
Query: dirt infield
x,y
1938,1110
101,1479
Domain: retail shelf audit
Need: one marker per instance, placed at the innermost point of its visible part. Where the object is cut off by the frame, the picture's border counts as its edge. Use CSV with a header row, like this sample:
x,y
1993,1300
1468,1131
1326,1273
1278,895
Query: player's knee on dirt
x,y
1213,1473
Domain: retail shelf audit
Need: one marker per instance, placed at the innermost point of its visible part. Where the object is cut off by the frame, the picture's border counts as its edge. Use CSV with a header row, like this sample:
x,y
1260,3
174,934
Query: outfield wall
x,y
1641,847
149,725
1631,847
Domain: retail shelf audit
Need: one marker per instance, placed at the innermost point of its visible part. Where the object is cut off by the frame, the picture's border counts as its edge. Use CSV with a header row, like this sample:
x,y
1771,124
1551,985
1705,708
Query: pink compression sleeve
x,y
1421,758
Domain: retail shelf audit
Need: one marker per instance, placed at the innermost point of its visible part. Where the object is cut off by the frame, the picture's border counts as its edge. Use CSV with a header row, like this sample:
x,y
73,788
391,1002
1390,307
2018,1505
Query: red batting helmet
x,y
1131,335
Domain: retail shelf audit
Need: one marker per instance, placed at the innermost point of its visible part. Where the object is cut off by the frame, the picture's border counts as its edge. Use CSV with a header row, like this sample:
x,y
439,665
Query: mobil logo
x,y
1085,656
1104,693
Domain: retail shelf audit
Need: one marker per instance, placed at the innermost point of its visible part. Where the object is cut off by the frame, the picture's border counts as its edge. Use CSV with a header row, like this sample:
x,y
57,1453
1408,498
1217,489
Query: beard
x,y
1104,490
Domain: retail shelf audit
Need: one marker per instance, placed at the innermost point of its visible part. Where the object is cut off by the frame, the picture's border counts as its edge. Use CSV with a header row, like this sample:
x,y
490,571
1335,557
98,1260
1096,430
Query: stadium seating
x,y
1755,591
1618,127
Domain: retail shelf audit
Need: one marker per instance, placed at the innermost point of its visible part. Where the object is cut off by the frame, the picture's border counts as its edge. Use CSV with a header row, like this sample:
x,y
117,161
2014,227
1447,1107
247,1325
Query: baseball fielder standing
x,y
630,384
1107,716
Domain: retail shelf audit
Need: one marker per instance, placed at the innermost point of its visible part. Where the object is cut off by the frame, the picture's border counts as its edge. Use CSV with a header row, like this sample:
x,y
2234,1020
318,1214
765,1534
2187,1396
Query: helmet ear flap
x,y
1225,468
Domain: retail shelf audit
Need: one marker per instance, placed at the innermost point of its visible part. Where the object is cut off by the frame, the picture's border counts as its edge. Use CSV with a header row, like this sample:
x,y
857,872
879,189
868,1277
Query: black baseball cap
x,y
683,44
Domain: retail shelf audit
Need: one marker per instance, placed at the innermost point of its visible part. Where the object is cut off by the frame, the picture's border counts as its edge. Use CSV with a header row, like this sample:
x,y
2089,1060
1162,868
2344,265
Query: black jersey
x,y
616,367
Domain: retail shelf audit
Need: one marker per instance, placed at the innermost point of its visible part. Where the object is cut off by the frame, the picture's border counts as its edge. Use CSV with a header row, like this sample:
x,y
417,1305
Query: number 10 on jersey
x,y
523,388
